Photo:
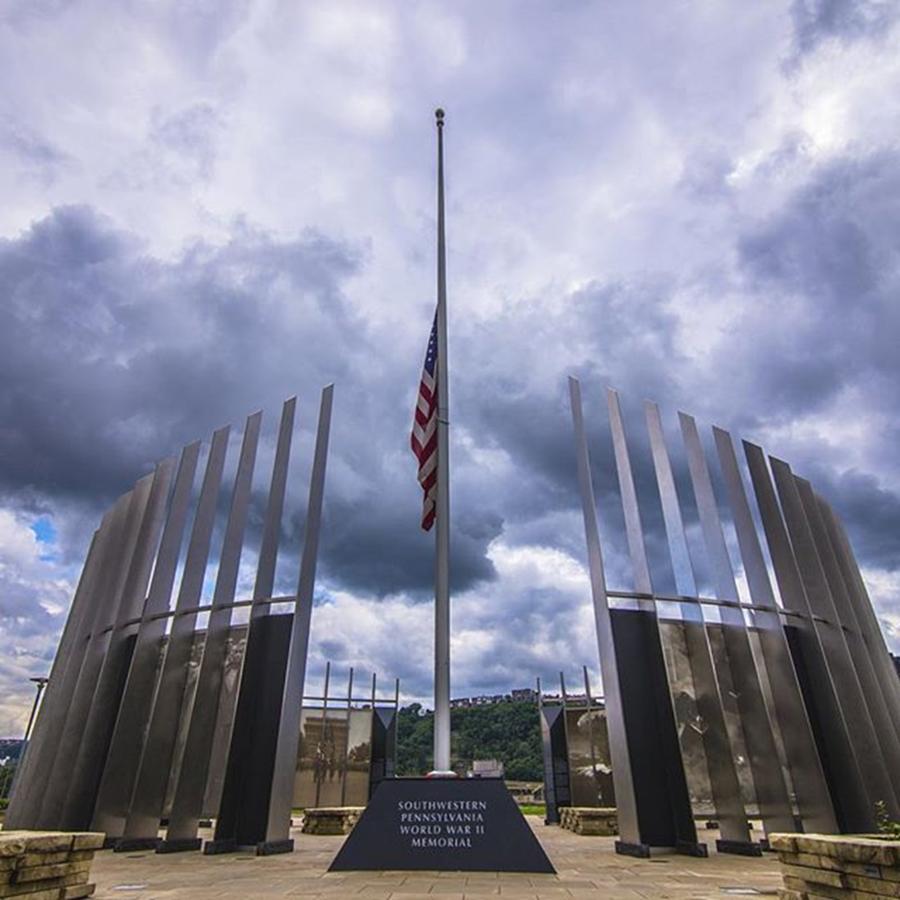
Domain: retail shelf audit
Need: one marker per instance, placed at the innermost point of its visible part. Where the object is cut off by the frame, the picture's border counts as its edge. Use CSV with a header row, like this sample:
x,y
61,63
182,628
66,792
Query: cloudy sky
x,y
210,206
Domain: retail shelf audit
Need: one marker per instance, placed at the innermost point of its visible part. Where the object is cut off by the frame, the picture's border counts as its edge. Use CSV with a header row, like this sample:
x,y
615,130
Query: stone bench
x,y
331,819
594,820
47,865
837,867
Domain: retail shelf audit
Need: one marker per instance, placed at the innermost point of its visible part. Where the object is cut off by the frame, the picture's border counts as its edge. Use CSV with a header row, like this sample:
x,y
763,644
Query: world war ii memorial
x,y
252,642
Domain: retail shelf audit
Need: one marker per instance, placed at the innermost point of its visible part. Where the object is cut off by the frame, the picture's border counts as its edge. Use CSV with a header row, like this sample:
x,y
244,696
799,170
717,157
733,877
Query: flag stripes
x,y
423,439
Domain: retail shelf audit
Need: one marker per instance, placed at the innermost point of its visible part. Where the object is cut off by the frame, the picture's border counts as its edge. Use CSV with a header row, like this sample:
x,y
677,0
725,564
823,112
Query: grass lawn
x,y
533,809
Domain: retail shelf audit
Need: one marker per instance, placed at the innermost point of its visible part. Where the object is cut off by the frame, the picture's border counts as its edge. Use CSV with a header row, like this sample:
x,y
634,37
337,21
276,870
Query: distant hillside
x,y
509,732
9,748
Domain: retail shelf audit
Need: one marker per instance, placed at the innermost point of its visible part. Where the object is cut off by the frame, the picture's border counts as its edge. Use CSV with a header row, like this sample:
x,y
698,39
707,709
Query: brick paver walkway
x,y
586,867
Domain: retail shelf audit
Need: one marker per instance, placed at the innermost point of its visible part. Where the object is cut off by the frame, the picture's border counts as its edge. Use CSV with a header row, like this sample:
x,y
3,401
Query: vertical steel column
x,y
324,728
860,809
623,780
771,790
852,636
188,803
156,760
723,777
279,819
127,741
87,770
109,597
807,775
830,729
565,718
25,799
659,794
268,549
590,720
347,738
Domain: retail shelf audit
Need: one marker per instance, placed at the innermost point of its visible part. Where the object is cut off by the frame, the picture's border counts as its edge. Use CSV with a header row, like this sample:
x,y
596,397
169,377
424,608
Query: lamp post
x,y
40,683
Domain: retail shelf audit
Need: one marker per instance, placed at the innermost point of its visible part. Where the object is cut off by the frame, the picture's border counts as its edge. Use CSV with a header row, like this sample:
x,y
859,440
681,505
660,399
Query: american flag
x,y
423,439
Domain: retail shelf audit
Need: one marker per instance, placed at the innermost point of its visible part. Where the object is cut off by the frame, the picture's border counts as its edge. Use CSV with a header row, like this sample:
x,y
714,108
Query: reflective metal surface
x,y
268,549
139,715
279,818
709,719
859,653
771,790
804,765
849,692
626,802
156,760
87,770
109,597
791,711
187,806
125,746
843,766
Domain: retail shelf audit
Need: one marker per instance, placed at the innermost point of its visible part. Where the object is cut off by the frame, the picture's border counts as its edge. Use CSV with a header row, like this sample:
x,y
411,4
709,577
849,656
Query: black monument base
x,y
211,848
741,848
457,825
126,845
640,851
271,848
692,848
179,845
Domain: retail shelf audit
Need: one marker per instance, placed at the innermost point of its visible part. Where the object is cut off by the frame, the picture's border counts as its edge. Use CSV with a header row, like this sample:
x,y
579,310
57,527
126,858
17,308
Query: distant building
x,y
517,695
485,768
523,695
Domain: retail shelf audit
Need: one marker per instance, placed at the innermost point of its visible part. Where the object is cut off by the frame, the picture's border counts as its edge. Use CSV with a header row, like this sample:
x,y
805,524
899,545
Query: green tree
x,y
509,732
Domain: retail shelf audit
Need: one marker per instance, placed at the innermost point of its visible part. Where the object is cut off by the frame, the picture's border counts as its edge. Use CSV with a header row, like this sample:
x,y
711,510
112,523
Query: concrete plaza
x,y
586,867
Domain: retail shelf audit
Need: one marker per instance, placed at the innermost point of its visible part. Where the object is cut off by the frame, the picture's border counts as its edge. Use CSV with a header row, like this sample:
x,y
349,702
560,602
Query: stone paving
x,y
586,867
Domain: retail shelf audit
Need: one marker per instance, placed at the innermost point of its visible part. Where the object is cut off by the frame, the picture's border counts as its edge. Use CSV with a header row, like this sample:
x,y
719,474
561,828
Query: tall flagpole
x,y
442,535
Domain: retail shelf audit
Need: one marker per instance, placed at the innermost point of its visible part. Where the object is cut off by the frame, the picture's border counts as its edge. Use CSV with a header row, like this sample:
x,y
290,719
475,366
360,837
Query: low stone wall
x,y
595,820
331,820
835,867
47,865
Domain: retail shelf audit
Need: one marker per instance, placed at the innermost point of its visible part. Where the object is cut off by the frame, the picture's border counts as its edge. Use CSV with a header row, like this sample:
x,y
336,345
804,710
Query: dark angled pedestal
x,y
445,824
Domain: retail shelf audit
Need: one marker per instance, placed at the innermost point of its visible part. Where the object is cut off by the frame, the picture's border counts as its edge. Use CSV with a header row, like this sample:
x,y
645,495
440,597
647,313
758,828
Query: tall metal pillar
x,y
807,775
285,763
148,796
653,805
849,691
857,649
268,549
126,744
188,803
723,777
843,767
868,621
109,597
97,730
771,790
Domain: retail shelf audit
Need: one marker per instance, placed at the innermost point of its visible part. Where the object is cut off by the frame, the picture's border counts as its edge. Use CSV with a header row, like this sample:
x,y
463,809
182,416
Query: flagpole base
x,y
442,773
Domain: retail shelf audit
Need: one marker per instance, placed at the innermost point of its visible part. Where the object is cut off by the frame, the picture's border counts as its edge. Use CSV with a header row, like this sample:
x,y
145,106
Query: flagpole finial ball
x,y
439,115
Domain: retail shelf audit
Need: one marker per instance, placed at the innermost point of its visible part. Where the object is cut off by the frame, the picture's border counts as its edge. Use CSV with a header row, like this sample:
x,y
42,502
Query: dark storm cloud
x,y
112,359
845,20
